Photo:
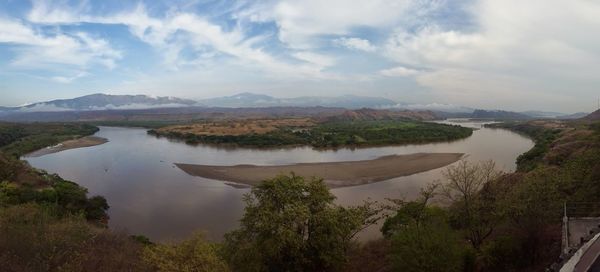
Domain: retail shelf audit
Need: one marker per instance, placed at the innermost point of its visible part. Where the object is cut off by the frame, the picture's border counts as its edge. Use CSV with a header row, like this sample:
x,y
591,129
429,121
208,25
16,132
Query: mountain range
x,y
102,102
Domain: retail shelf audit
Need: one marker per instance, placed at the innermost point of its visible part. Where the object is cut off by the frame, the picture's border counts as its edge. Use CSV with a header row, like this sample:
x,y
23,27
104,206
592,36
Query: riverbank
x,y
335,174
69,144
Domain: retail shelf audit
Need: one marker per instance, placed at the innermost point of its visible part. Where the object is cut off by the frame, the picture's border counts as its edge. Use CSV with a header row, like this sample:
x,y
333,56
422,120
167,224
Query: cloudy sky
x,y
495,54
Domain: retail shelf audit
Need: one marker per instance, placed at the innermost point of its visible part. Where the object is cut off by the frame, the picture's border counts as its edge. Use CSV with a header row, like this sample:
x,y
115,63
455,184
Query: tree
x,y
470,209
422,239
291,224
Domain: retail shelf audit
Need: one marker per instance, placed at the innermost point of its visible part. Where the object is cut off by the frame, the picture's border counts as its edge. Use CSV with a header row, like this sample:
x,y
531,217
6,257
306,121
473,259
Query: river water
x,y
148,195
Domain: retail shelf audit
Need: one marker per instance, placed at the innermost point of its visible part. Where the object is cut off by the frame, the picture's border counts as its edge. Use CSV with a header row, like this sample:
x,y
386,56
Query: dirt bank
x,y
70,144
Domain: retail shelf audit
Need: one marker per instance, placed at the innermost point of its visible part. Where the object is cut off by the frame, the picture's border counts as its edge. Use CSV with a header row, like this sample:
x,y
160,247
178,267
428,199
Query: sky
x,y
492,54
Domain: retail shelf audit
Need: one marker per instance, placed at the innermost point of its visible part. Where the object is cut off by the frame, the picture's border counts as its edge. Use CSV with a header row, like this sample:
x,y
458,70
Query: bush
x,y
34,238
422,240
192,255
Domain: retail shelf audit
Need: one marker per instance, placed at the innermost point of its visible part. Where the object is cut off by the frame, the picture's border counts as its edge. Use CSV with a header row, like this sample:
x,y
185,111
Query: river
x,y
148,195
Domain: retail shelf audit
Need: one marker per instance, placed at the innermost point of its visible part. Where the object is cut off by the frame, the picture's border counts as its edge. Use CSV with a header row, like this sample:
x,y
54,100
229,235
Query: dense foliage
x,y
542,137
35,238
64,197
21,184
17,139
335,134
291,224
422,240
192,255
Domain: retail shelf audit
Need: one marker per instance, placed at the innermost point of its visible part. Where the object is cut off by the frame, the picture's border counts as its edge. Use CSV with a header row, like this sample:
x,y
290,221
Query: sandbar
x,y
335,174
70,144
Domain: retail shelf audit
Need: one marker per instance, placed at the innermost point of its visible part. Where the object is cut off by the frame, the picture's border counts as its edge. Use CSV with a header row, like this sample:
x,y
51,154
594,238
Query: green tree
x,y
192,255
422,239
291,224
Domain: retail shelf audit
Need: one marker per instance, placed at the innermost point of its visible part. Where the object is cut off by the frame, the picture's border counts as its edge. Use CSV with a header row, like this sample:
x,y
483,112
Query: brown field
x,y
239,127
335,174
550,124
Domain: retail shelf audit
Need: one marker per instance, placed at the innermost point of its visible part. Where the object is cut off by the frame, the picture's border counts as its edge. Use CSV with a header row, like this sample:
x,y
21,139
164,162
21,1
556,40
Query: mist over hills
x,y
97,103
251,100
104,102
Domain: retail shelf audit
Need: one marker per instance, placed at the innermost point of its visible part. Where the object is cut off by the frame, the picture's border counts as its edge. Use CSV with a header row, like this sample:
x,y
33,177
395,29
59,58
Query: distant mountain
x,y
499,114
594,116
241,100
96,102
251,100
543,114
573,116
391,109
436,107
170,114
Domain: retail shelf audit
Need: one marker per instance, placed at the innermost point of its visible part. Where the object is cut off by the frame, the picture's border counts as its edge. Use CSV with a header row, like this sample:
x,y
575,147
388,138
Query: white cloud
x,y
490,90
182,30
69,79
355,43
46,12
319,60
301,23
399,71
38,50
518,52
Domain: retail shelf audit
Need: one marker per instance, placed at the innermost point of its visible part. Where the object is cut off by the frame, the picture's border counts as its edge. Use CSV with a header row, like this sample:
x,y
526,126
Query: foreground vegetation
x,y
46,222
17,139
490,221
326,135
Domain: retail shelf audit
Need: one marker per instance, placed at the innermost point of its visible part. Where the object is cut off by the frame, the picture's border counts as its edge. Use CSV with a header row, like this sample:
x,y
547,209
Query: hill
x,y
169,114
100,101
193,113
365,114
593,116
576,115
499,114
543,114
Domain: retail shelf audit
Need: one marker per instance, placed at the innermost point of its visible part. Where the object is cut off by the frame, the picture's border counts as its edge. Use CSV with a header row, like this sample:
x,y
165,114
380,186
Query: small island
x,y
329,134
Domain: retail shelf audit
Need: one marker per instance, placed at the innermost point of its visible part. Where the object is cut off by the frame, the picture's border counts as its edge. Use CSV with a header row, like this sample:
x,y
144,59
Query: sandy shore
x,y
70,144
335,174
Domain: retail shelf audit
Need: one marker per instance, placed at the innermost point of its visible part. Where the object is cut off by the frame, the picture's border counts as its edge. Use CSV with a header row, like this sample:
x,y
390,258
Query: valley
x,y
299,135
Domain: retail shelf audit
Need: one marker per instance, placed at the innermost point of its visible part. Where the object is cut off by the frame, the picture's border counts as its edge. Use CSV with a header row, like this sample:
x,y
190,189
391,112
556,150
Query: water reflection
x,y
149,196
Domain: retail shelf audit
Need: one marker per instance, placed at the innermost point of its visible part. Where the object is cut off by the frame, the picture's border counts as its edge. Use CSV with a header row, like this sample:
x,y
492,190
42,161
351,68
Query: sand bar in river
x,y
335,174
70,144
